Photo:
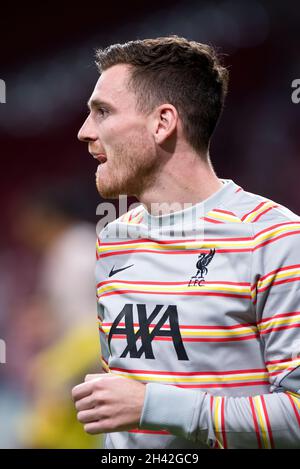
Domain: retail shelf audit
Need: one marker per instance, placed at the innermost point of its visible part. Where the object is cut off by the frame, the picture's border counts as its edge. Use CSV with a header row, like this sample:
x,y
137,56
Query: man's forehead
x,y
112,82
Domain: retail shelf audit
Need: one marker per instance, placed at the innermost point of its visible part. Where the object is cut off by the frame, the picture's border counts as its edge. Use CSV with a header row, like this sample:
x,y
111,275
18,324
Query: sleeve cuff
x,y
170,408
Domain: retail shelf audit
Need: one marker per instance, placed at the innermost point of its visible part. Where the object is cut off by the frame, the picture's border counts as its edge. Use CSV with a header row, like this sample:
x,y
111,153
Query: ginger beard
x,y
130,168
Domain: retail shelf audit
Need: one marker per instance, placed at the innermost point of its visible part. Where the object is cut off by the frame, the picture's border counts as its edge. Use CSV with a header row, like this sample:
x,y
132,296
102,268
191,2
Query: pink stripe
x,y
193,293
281,328
167,339
188,251
282,269
211,220
148,240
278,282
281,315
222,385
223,211
223,423
193,373
268,421
253,210
275,239
105,361
216,445
263,213
150,432
255,422
294,408
273,227
279,361
139,282
122,324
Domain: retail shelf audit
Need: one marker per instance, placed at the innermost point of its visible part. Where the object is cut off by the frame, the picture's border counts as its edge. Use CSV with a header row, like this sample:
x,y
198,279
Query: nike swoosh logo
x,y
113,272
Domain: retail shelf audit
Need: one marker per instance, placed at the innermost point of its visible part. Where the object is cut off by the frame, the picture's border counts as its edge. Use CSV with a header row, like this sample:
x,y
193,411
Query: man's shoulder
x,y
273,227
258,210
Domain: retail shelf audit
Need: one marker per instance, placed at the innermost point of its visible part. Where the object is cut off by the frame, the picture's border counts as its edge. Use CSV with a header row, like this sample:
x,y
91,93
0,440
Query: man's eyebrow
x,y
96,102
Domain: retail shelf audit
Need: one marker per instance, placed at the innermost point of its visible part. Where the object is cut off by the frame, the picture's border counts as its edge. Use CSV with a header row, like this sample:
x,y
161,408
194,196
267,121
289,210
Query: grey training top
x,y
203,306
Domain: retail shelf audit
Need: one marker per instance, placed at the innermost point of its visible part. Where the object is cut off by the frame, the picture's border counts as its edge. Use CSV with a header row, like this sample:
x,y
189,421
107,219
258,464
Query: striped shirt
x,y
203,306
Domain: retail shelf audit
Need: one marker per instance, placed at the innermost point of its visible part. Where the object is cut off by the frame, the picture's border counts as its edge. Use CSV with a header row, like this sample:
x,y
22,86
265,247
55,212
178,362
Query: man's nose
x,y
87,132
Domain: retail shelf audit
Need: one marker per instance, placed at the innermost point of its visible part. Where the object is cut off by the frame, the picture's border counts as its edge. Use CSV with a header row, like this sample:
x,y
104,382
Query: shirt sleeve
x,y
264,421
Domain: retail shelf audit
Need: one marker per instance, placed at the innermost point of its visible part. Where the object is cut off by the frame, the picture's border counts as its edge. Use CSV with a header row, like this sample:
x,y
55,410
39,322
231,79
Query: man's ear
x,y
164,121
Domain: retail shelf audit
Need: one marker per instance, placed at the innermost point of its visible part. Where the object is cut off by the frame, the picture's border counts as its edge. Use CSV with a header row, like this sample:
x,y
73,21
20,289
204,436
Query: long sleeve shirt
x,y
203,306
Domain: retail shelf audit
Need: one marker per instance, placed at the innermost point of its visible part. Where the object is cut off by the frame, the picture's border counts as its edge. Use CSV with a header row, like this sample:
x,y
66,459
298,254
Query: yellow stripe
x,y
273,233
294,394
216,419
200,333
223,216
176,247
261,209
214,380
155,246
290,364
104,365
271,278
263,428
184,288
295,397
152,245
253,294
277,322
216,414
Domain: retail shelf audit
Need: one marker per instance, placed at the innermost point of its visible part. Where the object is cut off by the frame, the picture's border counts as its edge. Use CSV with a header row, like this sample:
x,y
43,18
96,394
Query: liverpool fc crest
x,y
201,266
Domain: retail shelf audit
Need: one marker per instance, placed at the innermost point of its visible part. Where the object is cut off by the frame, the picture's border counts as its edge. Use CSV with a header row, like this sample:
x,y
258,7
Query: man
x,y
199,304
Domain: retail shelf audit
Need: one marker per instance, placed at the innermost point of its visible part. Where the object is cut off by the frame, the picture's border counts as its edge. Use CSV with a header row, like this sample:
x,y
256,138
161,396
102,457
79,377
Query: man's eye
x,y
101,111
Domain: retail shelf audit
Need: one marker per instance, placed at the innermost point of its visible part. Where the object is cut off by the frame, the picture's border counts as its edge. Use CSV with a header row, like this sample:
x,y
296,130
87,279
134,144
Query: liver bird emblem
x,y
202,263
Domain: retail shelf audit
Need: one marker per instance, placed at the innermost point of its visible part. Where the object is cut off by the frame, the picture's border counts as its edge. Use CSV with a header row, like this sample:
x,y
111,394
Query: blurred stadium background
x,y
48,200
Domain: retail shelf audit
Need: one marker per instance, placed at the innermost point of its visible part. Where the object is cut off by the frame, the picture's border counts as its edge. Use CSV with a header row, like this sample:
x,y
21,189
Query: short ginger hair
x,y
174,70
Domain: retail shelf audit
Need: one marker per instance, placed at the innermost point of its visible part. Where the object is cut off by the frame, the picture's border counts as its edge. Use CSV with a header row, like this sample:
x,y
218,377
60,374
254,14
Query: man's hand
x,y
108,403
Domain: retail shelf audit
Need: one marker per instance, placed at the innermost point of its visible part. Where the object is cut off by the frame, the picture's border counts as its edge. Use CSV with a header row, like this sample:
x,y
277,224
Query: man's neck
x,y
189,179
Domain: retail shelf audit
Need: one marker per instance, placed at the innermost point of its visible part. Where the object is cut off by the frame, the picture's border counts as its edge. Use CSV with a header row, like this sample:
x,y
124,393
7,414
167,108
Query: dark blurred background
x,y
48,200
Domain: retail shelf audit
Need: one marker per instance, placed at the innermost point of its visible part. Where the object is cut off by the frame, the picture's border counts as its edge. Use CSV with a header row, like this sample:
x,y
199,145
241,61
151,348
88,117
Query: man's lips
x,y
100,157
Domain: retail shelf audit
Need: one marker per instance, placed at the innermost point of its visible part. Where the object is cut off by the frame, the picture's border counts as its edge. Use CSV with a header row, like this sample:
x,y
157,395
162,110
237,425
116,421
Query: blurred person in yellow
x,y
53,224
51,420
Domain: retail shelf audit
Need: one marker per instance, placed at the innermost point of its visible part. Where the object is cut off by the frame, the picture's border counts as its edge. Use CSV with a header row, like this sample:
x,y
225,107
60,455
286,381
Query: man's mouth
x,y
100,157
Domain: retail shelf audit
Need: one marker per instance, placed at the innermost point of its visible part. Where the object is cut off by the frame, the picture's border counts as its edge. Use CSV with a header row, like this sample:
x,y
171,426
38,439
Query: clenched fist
x,y
108,403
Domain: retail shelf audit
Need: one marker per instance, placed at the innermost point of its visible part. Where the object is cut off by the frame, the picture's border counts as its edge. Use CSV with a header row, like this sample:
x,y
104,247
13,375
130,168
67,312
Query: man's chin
x,y
108,192
110,188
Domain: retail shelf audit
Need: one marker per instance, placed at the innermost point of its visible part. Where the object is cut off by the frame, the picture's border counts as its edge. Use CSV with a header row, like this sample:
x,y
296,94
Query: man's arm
x,y
270,420
266,421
